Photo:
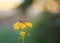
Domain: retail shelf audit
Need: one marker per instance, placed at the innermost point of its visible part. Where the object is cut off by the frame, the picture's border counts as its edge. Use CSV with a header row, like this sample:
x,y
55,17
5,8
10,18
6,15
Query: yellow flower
x,y
28,24
17,25
23,26
22,33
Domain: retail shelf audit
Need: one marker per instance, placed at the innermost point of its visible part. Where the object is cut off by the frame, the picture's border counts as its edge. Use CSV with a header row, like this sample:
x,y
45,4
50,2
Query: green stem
x,y
23,39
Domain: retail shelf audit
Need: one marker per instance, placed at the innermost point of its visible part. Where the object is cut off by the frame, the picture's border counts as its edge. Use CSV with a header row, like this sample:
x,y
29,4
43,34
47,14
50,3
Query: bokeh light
x,y
8,7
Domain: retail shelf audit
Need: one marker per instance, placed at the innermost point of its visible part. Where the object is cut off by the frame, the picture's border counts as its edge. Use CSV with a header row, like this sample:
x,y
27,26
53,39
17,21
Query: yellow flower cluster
x,y
22,34
22,25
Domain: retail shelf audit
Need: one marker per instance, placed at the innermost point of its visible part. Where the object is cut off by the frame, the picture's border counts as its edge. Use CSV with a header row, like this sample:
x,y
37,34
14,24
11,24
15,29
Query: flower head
x,y
22,34
28,24
16,26
22,25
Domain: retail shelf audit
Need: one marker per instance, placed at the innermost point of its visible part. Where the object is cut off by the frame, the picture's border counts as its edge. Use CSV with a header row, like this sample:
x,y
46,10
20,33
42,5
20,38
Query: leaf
x,y
28,35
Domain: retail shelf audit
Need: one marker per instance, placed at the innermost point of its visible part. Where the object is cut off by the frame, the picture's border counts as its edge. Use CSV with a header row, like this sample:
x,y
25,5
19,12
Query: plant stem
x,y
23,39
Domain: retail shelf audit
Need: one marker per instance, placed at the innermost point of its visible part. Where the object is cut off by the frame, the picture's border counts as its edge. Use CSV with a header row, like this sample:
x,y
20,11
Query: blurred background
x,y
43,14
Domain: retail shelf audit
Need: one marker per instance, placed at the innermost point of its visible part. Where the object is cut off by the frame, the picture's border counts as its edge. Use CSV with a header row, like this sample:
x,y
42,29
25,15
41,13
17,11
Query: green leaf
x,y
28,35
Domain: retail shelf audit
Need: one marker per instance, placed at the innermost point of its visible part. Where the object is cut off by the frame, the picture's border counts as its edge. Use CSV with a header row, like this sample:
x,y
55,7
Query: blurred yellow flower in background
x,y
22,34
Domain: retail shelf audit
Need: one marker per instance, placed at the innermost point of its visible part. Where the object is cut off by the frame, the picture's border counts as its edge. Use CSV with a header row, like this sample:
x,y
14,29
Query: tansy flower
x,y
28,24
22,25
22,34
17,25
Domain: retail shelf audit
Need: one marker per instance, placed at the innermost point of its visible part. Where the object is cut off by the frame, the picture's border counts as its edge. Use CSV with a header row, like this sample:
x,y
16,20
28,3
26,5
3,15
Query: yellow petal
x,y
17,24
16,27
22,33
28,24
23,26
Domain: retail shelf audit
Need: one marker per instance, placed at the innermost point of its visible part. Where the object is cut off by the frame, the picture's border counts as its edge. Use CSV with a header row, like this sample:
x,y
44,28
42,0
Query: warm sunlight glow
x,y
9,4
52,6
